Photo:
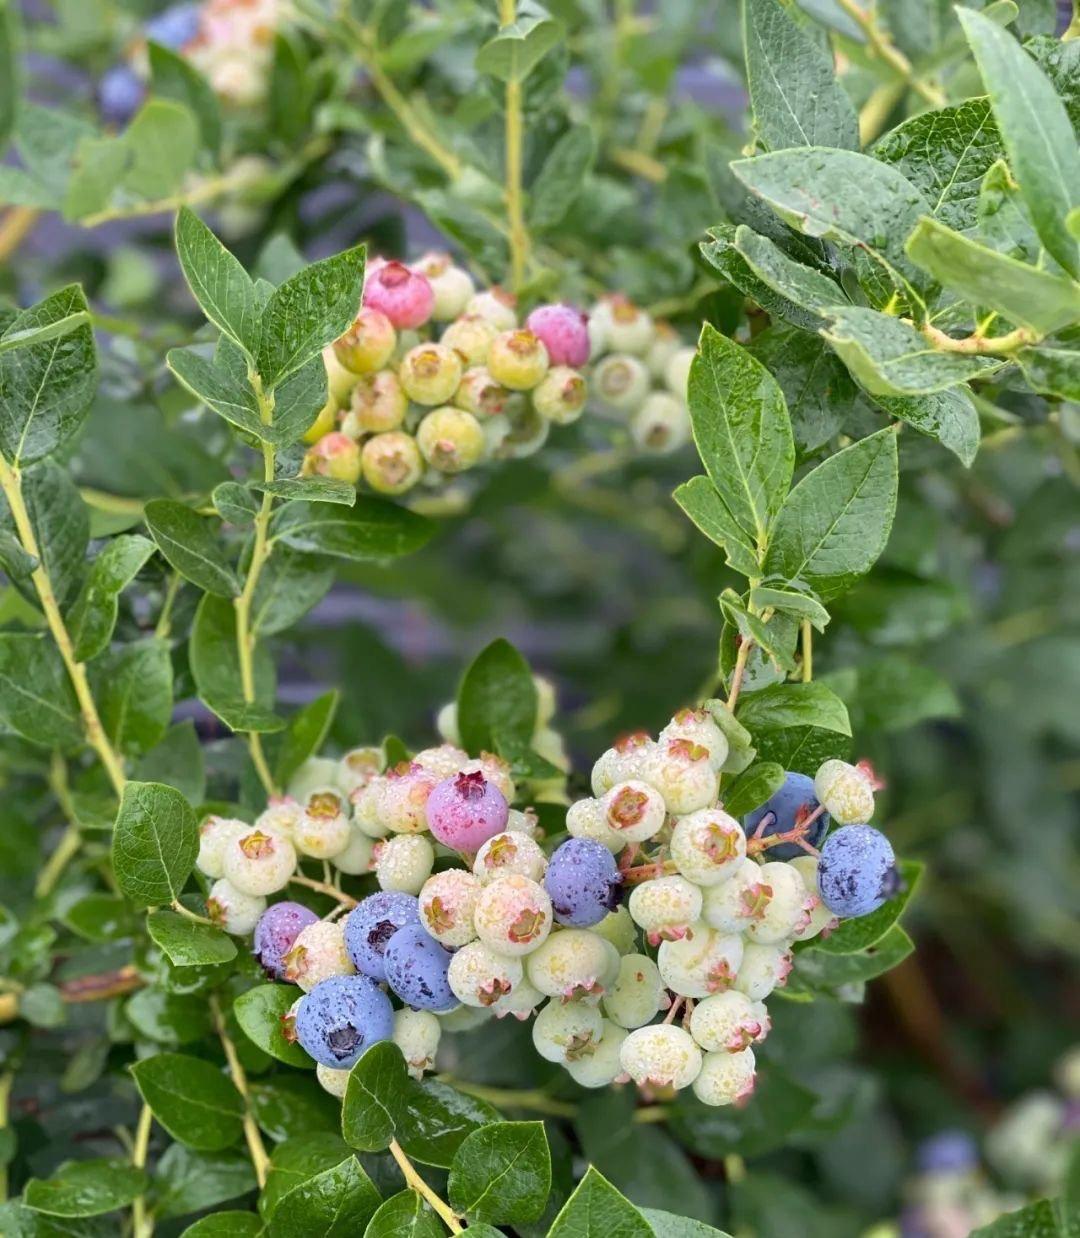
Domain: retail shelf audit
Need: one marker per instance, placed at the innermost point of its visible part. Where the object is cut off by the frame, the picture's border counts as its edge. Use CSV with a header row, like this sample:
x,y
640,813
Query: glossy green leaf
x,y
795,281
230,1224
1053,371
790,602
701,501
298,1159
189,544
775,640
174,77
192,1099
290,584
216,667
235,503
220,388
304,734
794,704
597,1210
519,47
10,68
221,286
779,1106
133,685
315,489
949,416
405,1215
561,176
178,760
61,527
189,1181
335,1203
260,1011
86,1188
718,249
436,1118
374,1098
373,530
186,943
37,700
155,843
502,1173
92,617
160,146
170,1019
668,1225
820,969
497,700
752,788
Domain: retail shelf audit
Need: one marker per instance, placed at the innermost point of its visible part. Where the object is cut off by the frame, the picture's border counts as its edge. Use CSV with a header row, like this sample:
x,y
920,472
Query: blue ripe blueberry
x,y
416,967
277,930
583,882
372,923
175,26
119,94
857,871
947,1152
794,800
341,1017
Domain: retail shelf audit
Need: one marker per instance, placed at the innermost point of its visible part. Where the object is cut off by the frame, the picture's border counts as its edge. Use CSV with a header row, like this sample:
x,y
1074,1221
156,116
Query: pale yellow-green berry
x,y
233,910
404,863
391,463
726,1078
708,846
637,994
317,954
846,791
660,1055
702,962
479,977
450,439
602,1066
430,373
565,1031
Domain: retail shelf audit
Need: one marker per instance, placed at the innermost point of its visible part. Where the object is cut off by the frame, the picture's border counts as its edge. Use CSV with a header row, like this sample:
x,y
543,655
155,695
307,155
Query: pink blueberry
x,y
465,810
404,296
564,333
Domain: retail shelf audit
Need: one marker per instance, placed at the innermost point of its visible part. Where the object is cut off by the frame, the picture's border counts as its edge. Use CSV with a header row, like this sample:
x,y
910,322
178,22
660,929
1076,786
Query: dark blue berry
x,y
175,26
947,1152
793,801
372,923
416,967
583,882
341,1017
119,94
857,872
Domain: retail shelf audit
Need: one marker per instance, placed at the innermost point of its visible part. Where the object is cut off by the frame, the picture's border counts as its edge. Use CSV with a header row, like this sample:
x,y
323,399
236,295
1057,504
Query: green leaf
x,y
793,280
437,1118
170,1019
776,640
790,602
221,389
187,943
668,1225
221,286
292,86
561,177
742,432
92,617
740,741
701,501
597,1210
949,416
334,1203
374,1098
780,1105
61,527
519,47
945,154
133,685
752,788
373,530
192,1100
10,69
718,249
188,543
1035,128
308,312
42,334
502,1174
854,936
836,521
840,195
298,1159
100,917
259,1012
86,1188
290,584
177,760
497,700
155,843
1053,371
891,357
316,489
190,1181
298,401
173,77
794,704
285,1105
405,1215
304,736
795,96
215,664
1023,294
818,969
37,700
235,503
160,145
230,1224
46,387
1059,59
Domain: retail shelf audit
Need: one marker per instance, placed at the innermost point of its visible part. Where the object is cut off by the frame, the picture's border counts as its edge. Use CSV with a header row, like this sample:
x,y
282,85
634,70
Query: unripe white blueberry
x,y
258,863
233,910
677,371
560,395
510,852
314,775
697,725
523,821
846,791
358,855
521,433
450,439
683,774
367,816
480,977
727,1022
637,994
763,969
323,830
739,901
495,770
618,928
661,425
497,306
470,337
566,1031
629,328
665,907
403,862
281,816
788,909
453,287
587,819
621,382
318,953
574,964
625,760
403,796
665,343
333,1081
602,1066
416,1034
447,903
661,1055
391,463
214,835
708,846
442,761
358,767
521,1001
513,915
446,723
634,810
702,962
726,1078
821,919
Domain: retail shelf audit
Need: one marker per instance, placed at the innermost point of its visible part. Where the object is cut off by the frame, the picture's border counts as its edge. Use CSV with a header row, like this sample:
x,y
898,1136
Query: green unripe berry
x,y
517,359
368,344
450,439
470,336
378,403
390,463
560,395
430,373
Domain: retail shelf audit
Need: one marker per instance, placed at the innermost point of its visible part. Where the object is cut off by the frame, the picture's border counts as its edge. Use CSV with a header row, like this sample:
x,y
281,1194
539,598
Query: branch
x,y
887,51
256,1149
413,1180
515,203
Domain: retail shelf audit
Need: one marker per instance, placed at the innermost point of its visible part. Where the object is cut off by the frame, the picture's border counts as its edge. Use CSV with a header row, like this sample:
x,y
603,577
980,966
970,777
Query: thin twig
x,y
413,1180
256,1149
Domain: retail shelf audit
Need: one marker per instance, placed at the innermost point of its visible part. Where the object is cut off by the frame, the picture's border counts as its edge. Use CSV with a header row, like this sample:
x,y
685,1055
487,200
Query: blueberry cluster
x,y
657,901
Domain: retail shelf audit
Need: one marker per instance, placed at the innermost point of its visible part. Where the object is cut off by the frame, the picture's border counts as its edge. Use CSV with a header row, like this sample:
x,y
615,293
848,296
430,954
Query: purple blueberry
x,y
119,94
583,882
795,799
857,871
174,27
416,967
341,1017
947,1152
372,923
277,930
564,333
465,810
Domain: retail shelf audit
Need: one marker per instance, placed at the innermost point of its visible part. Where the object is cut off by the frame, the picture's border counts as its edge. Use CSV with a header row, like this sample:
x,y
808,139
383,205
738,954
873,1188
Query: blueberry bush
x,y
538,556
